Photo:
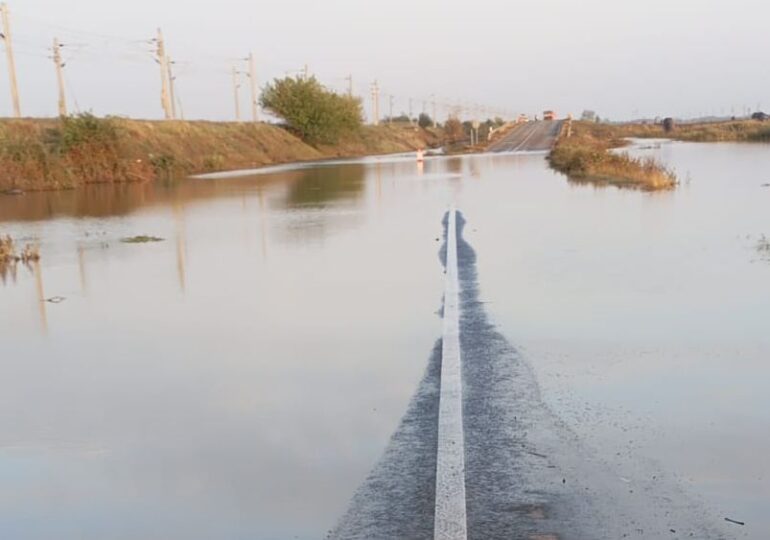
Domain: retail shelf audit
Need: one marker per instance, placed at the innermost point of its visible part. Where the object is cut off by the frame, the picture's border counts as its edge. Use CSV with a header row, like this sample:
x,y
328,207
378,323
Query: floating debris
x,y
141,239
55,300
727,519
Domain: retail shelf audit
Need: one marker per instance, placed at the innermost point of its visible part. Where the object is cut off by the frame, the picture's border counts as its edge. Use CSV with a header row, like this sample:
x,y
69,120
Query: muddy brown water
x,y
240,378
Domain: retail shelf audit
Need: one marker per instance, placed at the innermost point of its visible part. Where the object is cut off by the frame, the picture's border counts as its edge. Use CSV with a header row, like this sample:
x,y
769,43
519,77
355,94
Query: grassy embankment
x,y
41,154
585,157
738,131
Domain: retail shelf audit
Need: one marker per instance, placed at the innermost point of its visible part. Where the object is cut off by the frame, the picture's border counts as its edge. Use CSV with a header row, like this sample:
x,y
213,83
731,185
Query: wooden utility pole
x,y
253,85
390,109
305,72
59,76
11,62
236,85
435,118
171,87
164,82
375,103
349,78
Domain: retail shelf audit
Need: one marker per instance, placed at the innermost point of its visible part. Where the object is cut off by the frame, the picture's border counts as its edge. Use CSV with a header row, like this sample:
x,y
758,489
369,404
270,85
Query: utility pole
x,y
375,103
236,85
410,110
349,78
390,109
171,89
305,72
435,118
11,63
253,85
59,77
164,82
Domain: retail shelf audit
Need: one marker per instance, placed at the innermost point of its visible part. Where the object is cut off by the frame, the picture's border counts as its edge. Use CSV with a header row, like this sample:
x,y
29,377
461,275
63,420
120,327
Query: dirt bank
x,y
43,154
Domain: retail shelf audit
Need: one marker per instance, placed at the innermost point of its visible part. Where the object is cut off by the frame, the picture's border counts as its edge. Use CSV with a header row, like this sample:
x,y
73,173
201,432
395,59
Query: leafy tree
x,y
424,121
317,114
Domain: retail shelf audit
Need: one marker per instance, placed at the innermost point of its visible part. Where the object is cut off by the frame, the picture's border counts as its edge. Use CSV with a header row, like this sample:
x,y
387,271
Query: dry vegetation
x,y
586,157
10,257
739,130
61,154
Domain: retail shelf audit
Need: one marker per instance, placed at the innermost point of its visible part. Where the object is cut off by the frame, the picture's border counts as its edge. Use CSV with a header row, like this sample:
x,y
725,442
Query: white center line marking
x,y
450,514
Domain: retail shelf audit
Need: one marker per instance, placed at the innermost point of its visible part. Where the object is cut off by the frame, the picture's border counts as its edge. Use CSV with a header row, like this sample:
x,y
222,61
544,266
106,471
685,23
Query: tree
x,y
317,114
424,121
454,129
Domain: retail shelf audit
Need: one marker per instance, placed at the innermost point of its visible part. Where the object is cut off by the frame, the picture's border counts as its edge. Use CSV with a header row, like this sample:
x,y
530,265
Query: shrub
x,y
85,130
314,112
424,121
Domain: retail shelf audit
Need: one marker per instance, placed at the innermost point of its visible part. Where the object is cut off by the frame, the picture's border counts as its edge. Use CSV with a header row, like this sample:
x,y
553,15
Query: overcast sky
x,y
621,58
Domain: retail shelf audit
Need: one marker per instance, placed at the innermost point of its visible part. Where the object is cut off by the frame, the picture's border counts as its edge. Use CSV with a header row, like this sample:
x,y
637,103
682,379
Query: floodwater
x,y
241,377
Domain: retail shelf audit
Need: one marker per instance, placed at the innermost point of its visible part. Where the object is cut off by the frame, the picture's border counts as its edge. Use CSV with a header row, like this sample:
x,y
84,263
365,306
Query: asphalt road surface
x,y
526,474
529,137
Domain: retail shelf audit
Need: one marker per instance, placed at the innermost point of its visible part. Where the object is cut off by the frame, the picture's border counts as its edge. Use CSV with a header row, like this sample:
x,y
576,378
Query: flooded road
x,y
240,378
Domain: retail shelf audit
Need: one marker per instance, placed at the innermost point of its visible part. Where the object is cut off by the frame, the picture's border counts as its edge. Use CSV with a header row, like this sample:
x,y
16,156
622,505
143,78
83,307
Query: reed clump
x,y
586,157
10,257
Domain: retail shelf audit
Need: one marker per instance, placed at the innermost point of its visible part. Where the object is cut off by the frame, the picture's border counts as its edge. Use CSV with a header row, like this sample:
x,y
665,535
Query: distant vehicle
x,y
549,115
522,119
760,116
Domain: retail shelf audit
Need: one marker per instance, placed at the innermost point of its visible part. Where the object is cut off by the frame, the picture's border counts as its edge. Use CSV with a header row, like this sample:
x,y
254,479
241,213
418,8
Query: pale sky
x,y
621,58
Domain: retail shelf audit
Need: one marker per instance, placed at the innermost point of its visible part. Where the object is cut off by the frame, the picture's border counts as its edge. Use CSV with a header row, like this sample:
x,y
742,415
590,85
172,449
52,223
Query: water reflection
x,y
318,187
241,378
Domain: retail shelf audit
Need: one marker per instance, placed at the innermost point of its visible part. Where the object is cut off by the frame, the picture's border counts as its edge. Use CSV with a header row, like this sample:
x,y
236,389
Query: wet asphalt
x,y
528,476
537,136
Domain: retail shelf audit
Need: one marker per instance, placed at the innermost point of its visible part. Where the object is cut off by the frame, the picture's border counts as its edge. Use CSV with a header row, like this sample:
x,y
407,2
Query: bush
x,y
86,130
315,113
424,121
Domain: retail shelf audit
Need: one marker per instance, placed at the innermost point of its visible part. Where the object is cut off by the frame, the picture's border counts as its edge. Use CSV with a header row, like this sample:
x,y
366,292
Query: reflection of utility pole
x,y
181,249
59,76
375,103
11,62
262,222
82,270
40,296
236,86
162,59
253,85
